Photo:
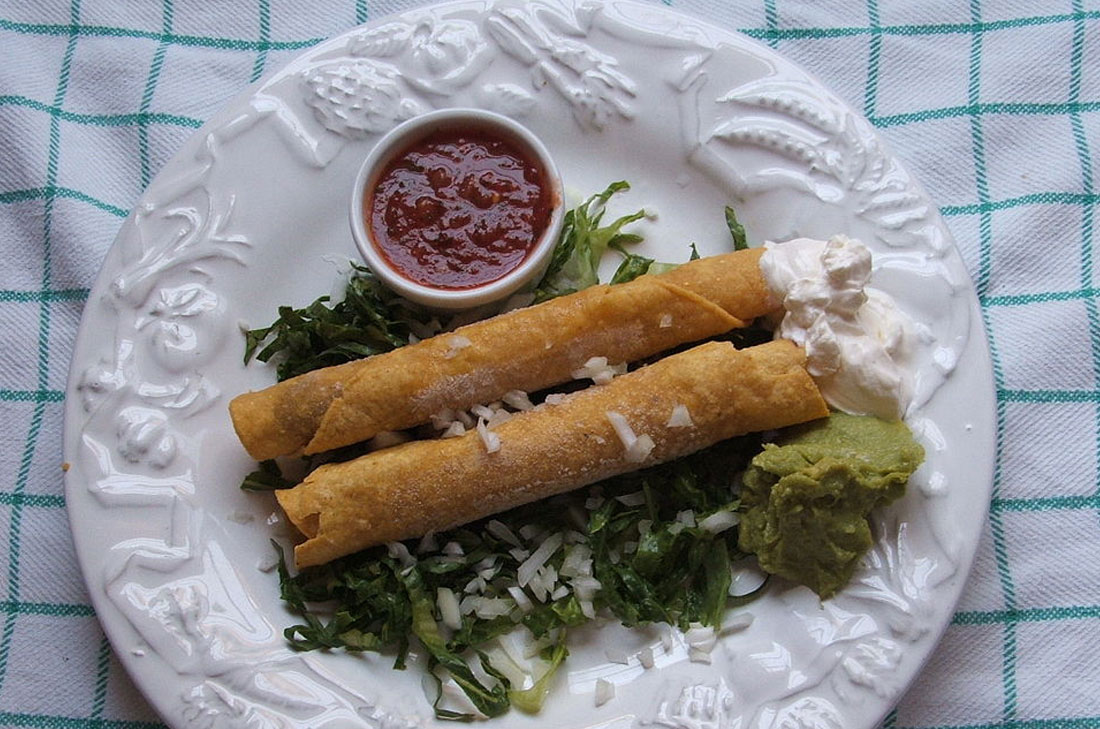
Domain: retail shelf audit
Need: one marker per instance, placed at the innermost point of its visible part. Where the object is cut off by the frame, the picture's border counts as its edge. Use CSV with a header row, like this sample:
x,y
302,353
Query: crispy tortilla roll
x,y
423,486
527,349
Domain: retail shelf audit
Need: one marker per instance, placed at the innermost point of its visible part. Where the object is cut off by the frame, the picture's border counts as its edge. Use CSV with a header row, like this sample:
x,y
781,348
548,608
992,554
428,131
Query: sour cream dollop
x,y
860,348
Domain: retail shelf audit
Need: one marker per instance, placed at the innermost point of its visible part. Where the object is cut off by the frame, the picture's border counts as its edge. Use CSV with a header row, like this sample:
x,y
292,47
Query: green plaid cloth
x,y
994,104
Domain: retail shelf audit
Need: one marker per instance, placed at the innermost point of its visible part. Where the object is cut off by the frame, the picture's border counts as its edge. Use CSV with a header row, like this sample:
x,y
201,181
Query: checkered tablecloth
x,y
993,104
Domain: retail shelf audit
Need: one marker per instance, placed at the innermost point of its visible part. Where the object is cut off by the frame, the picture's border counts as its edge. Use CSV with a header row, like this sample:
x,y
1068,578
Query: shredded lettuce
x,y
368,320
583,243
530,700
737,231
650,565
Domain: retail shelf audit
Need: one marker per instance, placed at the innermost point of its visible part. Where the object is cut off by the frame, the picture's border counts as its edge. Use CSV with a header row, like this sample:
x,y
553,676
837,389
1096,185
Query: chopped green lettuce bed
x,y
648,547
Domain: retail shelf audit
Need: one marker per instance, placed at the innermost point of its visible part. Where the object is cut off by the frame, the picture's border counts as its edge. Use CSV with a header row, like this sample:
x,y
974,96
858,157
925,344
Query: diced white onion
x,y
456,344
544,582
640,449
453,549
637,447
488,608
645,655
482,411
501,531
585,588
488,437
587,609
665,321
617,655
719,521
572,536
622,428
518,400
550,574
529,531
400,552
701,637
448,608
387,439
634,498
593,363
554,398
538,587
680,418
498,417
686,517
519,554
738,622
666,638
443,419
522,601
454,430
577,562
560,592
605,691
464,417
599,371
527,569
424,330
427,543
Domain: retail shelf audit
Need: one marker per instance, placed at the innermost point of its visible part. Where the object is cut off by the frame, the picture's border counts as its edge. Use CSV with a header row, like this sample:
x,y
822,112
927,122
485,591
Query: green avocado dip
x,y
805,499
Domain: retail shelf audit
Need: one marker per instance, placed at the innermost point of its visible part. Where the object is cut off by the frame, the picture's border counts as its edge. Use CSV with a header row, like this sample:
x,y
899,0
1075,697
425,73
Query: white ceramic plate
x,y
252,214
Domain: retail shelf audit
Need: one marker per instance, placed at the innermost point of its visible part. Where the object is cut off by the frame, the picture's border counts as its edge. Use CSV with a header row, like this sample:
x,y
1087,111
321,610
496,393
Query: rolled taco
x,y
673,407
527,349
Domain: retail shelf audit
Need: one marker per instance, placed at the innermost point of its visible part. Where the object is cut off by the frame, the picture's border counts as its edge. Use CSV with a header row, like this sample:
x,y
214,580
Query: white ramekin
x,y
401,138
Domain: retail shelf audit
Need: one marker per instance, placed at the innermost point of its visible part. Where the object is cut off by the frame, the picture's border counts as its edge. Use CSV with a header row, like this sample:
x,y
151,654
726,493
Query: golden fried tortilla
x,y
423,486
527,349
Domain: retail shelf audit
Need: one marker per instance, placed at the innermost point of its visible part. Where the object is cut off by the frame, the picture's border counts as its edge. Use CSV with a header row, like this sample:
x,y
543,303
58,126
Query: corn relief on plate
x,y
251,214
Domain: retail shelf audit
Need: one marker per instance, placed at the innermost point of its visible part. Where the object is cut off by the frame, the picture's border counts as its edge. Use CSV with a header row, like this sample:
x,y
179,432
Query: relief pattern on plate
x,y
820,147
698,706
175,587
550,44
185,597
402,68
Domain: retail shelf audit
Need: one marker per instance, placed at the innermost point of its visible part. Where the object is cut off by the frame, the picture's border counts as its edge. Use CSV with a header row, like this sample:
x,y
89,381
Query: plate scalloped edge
x,y
145,389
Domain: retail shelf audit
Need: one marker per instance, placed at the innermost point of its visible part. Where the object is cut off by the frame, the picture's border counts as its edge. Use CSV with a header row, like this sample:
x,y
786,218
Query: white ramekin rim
x,y
397,140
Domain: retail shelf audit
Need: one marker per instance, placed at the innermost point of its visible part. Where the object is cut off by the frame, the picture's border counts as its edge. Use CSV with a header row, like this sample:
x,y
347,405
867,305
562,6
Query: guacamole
x,y
805,499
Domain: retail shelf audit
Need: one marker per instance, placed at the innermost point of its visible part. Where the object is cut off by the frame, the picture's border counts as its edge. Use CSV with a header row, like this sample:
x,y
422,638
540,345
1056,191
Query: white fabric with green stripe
x,y
993,104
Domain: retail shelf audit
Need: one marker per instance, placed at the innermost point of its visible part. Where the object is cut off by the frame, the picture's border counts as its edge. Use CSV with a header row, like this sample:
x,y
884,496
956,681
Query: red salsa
x,y
459,209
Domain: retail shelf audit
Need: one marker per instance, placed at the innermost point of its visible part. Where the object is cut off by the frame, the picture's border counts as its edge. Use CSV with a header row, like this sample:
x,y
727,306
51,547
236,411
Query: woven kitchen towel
x,y
993,104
